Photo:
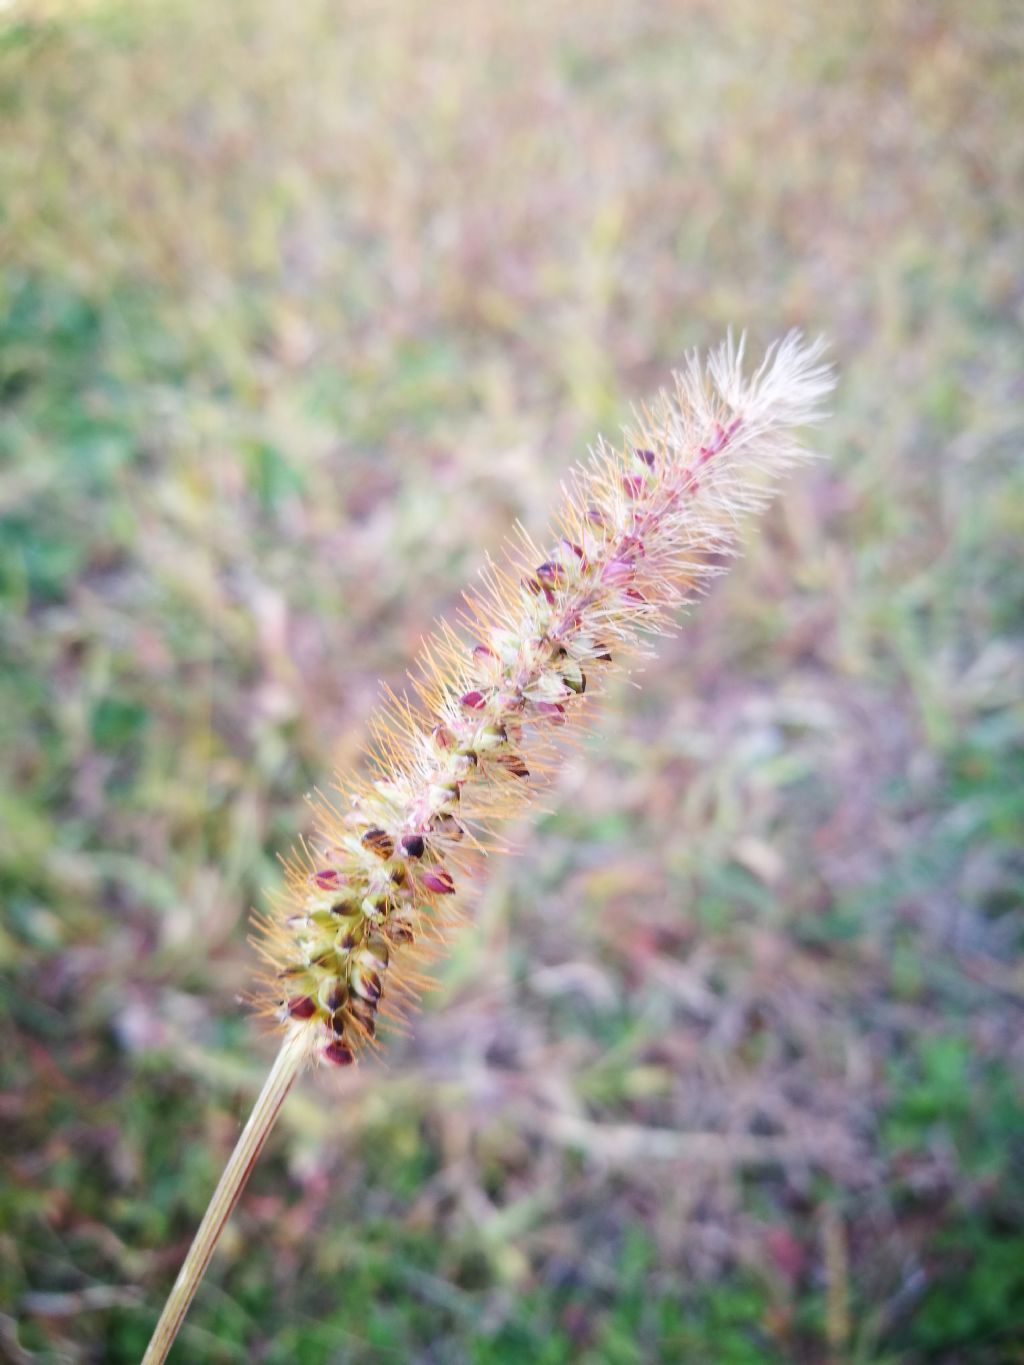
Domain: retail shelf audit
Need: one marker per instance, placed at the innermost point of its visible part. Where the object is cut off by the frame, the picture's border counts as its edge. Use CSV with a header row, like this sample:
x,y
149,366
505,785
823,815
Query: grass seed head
x,y
642,529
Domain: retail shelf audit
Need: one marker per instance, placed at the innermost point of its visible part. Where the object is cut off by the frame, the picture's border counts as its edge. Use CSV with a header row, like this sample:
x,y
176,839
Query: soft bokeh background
x,y
302,304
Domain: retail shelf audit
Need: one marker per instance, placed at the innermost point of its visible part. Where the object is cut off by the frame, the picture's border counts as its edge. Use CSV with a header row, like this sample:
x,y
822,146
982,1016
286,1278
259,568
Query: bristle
x,y
642,530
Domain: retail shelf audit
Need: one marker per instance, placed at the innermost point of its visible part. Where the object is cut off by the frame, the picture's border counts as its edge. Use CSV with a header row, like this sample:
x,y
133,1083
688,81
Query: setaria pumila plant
x,y
642,528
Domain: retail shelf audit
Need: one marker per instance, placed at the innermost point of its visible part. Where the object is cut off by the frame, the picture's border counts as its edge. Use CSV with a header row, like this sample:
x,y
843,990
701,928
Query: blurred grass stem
x,y
291,1059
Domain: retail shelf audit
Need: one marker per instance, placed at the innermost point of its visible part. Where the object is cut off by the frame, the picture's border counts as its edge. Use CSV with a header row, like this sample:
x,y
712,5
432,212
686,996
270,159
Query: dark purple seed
x,y
338,1053
647,456
413,845
367,984
302,1007
440,882
336,995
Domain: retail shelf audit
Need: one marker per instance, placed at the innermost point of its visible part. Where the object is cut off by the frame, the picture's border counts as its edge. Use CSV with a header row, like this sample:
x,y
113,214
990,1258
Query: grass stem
x,y
291,1059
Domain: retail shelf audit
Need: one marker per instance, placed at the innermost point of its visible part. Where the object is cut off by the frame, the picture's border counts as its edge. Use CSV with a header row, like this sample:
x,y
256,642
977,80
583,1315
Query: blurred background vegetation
x,y
301,304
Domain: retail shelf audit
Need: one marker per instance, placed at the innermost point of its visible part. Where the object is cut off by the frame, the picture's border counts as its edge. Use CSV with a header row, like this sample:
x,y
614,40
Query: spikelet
x,y
642,529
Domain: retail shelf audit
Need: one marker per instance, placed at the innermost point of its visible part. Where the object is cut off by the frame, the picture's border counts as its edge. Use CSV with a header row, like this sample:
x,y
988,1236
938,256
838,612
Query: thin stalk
x,y
291,1059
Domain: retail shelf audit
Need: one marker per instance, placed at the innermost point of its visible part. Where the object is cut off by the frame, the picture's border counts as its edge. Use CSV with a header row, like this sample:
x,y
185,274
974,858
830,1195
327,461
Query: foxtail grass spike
x,y
642,528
